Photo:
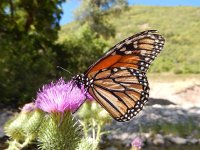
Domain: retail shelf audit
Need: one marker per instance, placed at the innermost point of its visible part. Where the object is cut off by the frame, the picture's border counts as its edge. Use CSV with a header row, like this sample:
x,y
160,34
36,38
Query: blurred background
x,y
37,36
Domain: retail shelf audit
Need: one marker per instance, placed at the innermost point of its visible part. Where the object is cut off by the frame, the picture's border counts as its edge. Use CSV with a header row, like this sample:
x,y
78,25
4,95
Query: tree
x,y
94,12
28,30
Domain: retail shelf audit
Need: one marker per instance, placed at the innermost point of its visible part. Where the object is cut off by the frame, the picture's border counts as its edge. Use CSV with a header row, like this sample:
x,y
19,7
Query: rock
x,y
148,138
167,113
1,133
109,137
126,143
124,136
178,140
147,135
158,140
111,148
4,116
193,141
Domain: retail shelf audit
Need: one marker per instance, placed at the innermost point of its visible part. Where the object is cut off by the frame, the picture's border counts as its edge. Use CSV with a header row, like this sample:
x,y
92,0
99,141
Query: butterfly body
x,y
118,81
81,79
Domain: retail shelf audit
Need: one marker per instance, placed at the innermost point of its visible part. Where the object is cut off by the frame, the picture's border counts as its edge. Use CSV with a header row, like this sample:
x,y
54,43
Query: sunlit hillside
x,y
179,25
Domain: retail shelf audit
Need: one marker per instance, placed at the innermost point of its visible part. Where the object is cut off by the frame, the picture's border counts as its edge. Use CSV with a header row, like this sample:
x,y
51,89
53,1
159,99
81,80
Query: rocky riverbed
x,y
122,134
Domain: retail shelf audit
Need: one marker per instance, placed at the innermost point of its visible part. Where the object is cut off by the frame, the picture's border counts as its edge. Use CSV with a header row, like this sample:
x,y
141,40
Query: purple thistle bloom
x,y
60,96
137,143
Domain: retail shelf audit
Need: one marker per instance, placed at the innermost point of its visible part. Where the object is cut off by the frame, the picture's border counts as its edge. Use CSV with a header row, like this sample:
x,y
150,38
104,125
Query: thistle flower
x,y
60,130
60,97
137,143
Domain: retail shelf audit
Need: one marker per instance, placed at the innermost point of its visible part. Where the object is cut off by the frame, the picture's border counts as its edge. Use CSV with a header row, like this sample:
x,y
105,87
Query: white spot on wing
x,y
128,52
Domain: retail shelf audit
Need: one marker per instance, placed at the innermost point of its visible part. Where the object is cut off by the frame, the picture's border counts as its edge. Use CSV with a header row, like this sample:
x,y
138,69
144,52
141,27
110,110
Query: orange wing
x,y
137,51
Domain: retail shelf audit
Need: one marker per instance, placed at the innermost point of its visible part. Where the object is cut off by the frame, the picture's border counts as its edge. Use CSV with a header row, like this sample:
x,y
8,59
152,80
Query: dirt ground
x,y
182,90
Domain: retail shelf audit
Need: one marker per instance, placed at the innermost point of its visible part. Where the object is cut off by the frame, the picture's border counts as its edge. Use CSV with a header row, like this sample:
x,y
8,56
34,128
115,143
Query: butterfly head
x,y
82,80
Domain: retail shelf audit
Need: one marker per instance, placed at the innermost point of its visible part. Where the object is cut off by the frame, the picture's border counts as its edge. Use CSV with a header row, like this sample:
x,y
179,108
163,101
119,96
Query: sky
x,y
70,5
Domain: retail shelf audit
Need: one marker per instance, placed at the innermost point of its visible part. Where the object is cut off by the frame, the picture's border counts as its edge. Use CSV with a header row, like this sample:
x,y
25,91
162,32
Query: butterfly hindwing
x,y
121,91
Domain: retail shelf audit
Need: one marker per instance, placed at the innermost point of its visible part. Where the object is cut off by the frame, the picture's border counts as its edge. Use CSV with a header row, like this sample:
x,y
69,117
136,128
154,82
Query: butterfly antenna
x,y
65,70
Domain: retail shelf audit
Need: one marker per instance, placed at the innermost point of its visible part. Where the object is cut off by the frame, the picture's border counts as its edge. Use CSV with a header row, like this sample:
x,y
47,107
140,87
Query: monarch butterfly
x,y
117,81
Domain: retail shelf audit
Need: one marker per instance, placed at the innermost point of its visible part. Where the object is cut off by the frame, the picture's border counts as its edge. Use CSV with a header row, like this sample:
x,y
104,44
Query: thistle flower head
x,y
137,143
60,97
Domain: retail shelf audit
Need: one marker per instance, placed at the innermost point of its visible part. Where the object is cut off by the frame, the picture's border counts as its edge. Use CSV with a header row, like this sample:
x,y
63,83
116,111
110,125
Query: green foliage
x,y
80,50
22,68
93,118
28,30
39,18
179,26
93,111
88,143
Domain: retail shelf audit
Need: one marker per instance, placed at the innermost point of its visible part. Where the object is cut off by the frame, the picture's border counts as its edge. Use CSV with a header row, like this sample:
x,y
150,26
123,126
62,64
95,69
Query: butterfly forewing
x,y
137,52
